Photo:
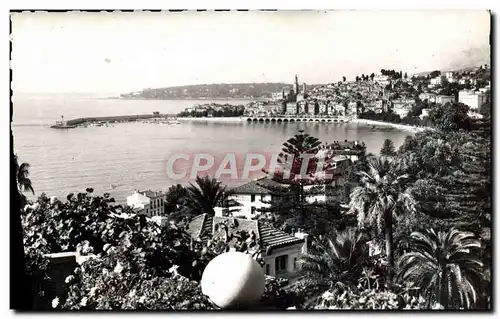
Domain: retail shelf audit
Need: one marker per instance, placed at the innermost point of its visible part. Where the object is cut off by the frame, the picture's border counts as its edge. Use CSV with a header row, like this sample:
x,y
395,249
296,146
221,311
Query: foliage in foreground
x,y
369,299
446,265
112,282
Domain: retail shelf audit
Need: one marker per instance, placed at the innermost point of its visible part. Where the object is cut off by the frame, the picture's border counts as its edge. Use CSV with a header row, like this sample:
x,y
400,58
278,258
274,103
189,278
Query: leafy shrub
x,y
279,295
369,299
94,286
38,271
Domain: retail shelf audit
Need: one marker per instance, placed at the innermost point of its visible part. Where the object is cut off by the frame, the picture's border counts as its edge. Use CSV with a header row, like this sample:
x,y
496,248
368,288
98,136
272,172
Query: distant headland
x,y
208,91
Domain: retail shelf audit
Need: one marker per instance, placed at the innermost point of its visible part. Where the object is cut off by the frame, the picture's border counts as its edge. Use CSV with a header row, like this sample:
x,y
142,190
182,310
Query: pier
x,y
118,118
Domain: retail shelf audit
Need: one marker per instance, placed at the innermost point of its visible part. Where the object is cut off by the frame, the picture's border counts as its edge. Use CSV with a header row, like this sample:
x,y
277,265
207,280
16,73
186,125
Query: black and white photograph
x,y
251,160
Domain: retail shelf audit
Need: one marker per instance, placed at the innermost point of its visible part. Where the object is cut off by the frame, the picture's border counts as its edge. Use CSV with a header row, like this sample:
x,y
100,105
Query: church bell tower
x,y
296,84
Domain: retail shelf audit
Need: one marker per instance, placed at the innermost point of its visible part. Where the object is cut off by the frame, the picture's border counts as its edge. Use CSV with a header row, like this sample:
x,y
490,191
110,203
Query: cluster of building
x,y
335,99
378,94
472,94
263,108
212,109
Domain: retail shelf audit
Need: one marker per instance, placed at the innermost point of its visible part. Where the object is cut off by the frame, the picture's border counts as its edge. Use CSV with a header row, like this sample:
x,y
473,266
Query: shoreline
x,y
403,127
211,119
131,118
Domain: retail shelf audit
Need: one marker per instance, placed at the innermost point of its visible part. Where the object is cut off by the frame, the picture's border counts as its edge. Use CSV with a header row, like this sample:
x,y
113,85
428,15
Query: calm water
x,y
133,155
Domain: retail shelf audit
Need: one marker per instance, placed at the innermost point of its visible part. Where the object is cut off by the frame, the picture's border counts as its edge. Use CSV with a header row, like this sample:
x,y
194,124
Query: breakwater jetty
x,y
118,118
155,117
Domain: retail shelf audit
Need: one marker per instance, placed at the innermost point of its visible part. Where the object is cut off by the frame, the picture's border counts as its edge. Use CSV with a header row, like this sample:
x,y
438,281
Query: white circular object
x,y
233,280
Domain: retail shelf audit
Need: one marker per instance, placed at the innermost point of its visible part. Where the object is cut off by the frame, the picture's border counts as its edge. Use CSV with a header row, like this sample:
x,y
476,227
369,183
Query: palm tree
x,y
445,265
205,195
380,195
336,261
23,182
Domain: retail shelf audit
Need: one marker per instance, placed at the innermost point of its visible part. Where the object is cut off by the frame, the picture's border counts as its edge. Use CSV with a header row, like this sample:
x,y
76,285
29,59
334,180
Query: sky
x,y
77,52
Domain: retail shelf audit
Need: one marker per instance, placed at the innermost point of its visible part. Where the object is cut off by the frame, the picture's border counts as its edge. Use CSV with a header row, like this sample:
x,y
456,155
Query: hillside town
x,y
389,96
386,93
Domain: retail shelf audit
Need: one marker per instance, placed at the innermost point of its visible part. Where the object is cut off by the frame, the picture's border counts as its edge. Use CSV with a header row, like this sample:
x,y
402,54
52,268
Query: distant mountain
x,y
466,60
470,58
209,91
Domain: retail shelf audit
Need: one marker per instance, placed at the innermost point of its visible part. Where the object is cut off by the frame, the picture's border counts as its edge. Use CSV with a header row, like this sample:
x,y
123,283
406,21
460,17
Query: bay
x,y
126,156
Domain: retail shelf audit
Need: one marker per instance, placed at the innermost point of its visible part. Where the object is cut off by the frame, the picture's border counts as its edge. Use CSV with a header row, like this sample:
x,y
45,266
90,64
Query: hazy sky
x,y
122,52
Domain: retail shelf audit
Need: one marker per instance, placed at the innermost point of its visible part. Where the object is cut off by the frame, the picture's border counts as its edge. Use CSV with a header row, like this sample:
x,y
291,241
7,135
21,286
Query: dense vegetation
x,y
416,233
215,110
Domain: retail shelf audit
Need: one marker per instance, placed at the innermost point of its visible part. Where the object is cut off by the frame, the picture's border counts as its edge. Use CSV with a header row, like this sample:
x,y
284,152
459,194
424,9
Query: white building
x,y
279,250
438,80
473,99
291,108
401,110
443,99
430,97
251,196
382,80
401,107
450,77
139,203
148,202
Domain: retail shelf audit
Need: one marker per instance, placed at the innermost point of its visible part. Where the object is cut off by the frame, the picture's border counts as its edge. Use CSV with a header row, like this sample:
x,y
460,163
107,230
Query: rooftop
x,y
152,194
339,145
252,187
203,227
263,185
138,198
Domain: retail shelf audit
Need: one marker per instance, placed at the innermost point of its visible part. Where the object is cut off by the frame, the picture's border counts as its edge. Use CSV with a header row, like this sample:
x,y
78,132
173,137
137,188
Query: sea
x,y
122,157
